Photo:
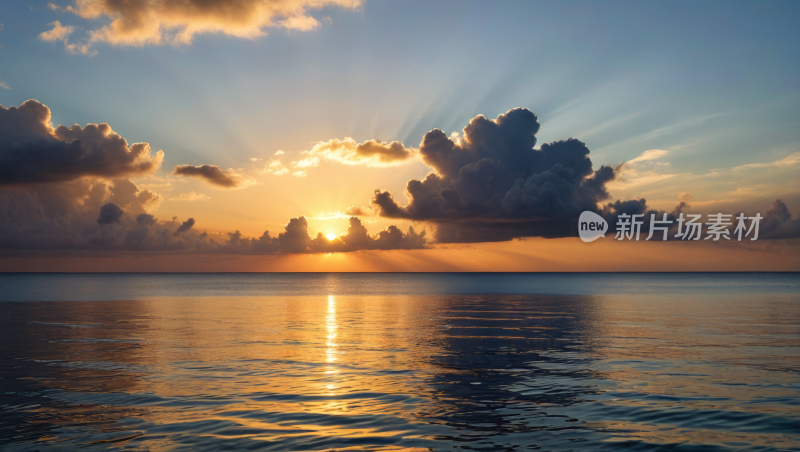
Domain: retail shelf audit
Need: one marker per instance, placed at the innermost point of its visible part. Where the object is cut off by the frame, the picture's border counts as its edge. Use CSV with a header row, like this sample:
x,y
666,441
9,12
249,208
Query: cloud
x,y
61,33
307,162
99,215
146,219
161,22
283,171
492,185
357,211
185,226
214,175
190,196
279,152
297,174
779,224
652,154
789,160
369,153
109,213
352,211
685,196
296,239
57,33
32,151
4,85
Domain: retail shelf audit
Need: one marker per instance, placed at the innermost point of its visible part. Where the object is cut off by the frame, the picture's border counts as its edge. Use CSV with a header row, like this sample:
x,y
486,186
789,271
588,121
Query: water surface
x,y
486,362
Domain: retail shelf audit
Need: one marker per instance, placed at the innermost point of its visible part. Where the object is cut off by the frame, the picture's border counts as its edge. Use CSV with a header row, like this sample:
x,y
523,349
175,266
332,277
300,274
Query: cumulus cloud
x,y
298,174
491,184
296,239
146,219
109,213
102,215
32,151
161,22
370,153
213,175
87,213
779,224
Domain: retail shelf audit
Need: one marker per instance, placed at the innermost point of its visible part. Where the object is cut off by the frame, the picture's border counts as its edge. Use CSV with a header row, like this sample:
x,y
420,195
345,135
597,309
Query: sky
x,y
189,132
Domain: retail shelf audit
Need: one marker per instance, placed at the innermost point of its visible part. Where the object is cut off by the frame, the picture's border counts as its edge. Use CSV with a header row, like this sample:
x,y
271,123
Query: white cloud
x,y
789,160
307,162
652,154
299,174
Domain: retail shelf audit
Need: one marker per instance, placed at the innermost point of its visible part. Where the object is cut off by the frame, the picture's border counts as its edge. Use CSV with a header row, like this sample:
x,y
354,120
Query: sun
x,y
331,236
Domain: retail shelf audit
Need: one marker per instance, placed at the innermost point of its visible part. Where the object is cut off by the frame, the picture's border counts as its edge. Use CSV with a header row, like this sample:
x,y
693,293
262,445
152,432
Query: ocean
x,y
382,361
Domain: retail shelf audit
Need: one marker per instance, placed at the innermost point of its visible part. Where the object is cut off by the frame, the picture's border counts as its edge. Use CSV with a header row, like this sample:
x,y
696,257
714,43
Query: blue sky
x,y
725,73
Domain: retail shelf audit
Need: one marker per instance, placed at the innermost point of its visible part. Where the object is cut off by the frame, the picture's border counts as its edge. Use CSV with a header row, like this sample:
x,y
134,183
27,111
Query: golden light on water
x,y
330,324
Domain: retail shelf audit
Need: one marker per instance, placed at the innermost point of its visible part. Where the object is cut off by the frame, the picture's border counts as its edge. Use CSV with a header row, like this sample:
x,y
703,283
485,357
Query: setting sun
x,y
331,236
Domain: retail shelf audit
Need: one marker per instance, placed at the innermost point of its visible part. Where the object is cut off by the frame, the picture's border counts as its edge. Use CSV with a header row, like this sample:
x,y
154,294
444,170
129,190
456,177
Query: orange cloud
x,y
164,21
369,153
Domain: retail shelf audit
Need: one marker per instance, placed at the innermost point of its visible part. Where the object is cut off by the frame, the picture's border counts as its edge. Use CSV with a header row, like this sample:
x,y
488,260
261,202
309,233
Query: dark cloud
x,y
109,213
779,224
185,226
146,219
493,185
31,151
212,174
